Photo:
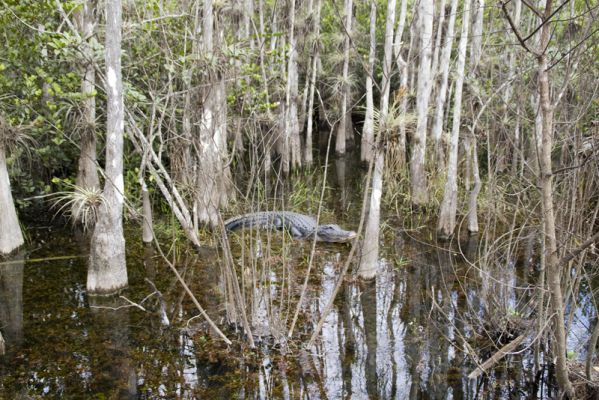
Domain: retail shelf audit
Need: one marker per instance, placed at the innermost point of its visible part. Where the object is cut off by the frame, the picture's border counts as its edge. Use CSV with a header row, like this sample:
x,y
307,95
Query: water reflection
x,y
11,301
411,333
114,372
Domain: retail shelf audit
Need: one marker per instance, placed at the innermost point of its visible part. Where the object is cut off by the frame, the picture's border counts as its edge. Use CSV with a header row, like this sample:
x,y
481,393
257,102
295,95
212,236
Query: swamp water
x,y
410,333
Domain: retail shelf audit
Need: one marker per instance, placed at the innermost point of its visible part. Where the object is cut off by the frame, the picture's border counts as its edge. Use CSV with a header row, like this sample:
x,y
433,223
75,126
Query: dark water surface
x,y
414,332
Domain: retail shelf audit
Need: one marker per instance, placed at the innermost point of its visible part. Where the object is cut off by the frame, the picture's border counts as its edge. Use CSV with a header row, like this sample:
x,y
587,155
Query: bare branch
x,y
515,29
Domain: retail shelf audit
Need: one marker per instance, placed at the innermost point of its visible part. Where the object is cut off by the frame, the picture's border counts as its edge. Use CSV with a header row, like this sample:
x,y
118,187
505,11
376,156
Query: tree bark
x,y
11,236
402,66
107,271
477,34
417,159
214,175
292,122
437,129
342,128
87,174
546,183
447,213
370,244
368,127
315,65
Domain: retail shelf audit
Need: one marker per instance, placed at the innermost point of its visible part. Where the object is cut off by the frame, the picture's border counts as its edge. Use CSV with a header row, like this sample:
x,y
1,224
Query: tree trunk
x,y
368,127
315,66
473,195
437,48
477,34
554,273
147,223
342,128
87,174
214,175
417,159
370,245
107,266
11,236
402,66
447,213
292,122
437,130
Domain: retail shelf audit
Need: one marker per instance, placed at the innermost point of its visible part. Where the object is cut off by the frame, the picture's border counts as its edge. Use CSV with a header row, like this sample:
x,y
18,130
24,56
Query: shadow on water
x,y
413,332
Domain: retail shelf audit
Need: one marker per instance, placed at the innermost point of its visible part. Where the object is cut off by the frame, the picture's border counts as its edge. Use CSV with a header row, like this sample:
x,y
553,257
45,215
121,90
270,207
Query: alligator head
x,y
333,233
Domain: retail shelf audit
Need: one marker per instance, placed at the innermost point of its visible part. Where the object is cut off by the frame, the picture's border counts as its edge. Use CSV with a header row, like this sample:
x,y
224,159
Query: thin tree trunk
x,y
292,123
447,213
147,223
554,272
87,174
438,37
417,159
437,130
402,66
473,195
315,64
107,265
11,236
342,128
477,34
368,127
370,245
591,350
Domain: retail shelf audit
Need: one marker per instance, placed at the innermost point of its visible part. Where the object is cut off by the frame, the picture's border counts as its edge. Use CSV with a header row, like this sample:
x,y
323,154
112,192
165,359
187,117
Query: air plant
x,y
12,137
81,205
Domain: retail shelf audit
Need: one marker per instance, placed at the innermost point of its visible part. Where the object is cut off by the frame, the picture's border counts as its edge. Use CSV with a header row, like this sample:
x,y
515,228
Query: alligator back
x,y
300,226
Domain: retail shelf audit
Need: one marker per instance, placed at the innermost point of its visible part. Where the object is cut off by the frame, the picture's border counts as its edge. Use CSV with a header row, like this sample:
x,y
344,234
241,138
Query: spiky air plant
x,y
13,138
81,204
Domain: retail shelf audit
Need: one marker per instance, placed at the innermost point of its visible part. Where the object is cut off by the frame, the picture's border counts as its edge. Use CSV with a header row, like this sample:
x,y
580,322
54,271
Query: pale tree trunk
x,y
147,223
370,244
511,54
213,177
477,34
315,64
437,130
417,159
291,120
107,266
447,213
472,153
507,97
368,127
11,236
87,173
344,123
181,159
554,272
437,48
402,66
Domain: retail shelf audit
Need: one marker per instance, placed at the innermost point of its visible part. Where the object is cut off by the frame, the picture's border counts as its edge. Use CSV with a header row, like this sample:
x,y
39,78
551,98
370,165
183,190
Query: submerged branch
x,y
495,358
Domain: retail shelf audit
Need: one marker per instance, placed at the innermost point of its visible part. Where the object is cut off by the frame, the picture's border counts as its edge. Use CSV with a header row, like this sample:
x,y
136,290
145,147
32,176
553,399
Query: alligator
x,y
300,226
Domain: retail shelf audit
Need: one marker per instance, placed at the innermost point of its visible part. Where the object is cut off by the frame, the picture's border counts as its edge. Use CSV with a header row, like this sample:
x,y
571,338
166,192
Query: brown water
x,y
411,333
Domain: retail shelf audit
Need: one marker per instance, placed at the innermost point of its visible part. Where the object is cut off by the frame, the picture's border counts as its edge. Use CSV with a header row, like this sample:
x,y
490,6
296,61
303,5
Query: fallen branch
x,y
494,359
36,260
